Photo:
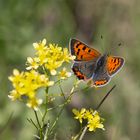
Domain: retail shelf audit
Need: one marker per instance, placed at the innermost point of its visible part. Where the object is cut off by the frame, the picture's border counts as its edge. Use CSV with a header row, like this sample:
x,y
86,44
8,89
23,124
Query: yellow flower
x,y
79,114
16,77
50,56
88,115
41,52
32,62
27,83
14,95
52,65
94,123
64,74
66,56
34,103
92,117
40,46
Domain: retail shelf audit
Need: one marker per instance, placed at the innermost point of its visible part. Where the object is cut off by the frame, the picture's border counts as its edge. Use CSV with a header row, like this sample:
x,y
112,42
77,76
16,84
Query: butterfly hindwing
x,y
77,72
82,51
83,69
101,80
114,64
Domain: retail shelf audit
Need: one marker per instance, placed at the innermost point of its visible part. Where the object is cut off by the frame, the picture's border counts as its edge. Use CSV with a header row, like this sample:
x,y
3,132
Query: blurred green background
x,y
28,21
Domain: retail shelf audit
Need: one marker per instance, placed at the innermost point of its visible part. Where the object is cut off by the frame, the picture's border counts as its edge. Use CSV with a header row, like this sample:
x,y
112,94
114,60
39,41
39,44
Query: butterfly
x,y
91,65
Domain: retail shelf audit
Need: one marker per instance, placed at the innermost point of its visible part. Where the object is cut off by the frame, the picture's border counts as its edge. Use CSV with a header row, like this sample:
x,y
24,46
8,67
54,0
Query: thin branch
x,y
37,119
60,112
83,133
62,90
32,122
85,128
105,97
46,131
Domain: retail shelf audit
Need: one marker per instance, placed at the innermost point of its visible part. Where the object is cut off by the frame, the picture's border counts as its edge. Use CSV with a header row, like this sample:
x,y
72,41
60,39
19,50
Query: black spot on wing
x,y
89,50
84,48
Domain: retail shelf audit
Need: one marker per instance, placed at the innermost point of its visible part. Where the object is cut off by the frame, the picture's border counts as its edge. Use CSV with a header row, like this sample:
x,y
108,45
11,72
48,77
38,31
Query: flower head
x,y
32,62
63,74
92,117
95,122
34,103
50,56
27,83
79,114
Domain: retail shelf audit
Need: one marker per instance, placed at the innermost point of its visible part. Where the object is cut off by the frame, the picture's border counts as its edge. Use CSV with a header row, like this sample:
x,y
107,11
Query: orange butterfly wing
x,y
82,51
78,73
114,64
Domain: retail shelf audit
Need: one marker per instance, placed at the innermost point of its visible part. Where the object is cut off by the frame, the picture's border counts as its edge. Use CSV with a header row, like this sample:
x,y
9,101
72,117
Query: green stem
x,y
56,120
62,90
46,132
60,112
99,105
43,118
47,91
40,128
37,119
32,122
83,133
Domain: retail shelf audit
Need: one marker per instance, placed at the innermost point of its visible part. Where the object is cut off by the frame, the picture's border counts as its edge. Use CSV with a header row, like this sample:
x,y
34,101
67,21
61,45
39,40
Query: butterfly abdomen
x,y
101,62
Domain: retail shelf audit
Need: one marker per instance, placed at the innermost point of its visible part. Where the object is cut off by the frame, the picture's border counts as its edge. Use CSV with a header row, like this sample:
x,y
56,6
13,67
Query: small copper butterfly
x,y
90,64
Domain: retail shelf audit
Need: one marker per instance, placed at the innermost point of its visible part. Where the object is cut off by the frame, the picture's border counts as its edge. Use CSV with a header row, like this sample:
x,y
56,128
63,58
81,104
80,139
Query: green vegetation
x,y
25,22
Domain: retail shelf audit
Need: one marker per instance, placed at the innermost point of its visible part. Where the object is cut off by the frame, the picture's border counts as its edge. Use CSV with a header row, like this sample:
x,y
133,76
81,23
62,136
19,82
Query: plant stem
x,y
60,112
46,132
83,133
37,119
62,90
105,97
85,128
47,90
40,128
31,121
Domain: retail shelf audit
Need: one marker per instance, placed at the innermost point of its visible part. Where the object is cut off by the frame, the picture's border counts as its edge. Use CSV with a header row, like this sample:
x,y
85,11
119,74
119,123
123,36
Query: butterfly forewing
x,y
114,64
82,51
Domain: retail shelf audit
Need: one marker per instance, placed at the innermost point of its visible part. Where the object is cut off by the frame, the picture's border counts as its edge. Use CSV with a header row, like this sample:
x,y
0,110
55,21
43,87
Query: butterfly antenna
x,y
102,41
116,46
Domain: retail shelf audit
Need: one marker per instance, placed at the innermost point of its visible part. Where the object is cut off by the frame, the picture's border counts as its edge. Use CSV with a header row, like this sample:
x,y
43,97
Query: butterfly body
x,y
91,65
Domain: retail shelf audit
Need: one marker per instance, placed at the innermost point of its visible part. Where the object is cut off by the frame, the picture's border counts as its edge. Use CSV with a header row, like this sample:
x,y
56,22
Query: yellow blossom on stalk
x,y
26,84
40,47
79,114
94,123
63,74
49,56
34,103
33,63
92,117
88,114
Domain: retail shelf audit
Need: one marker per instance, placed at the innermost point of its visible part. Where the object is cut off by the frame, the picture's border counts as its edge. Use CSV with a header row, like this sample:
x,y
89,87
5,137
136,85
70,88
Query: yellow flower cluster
x,y
92,117
26,84
49,56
